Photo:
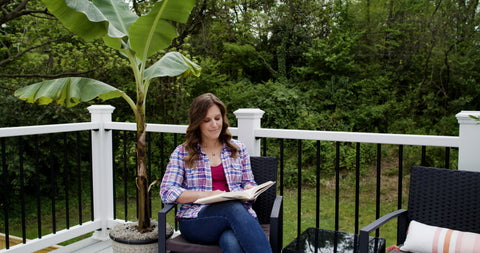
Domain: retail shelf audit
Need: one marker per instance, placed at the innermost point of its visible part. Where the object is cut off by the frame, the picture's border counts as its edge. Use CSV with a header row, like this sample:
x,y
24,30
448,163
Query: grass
x,y
367,211
346,216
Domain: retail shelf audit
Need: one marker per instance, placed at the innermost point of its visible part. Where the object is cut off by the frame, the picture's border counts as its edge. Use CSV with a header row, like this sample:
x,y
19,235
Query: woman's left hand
x,y
248,186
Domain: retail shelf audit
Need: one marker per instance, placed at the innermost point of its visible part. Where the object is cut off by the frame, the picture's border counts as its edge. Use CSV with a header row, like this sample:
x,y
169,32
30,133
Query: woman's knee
x,y
203,230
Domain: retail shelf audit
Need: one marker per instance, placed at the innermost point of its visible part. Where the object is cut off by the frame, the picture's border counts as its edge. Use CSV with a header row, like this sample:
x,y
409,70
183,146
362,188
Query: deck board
x,y
88,245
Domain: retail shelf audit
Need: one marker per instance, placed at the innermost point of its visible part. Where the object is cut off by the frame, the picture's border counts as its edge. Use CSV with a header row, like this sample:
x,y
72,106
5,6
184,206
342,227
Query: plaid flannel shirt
x,y
179,178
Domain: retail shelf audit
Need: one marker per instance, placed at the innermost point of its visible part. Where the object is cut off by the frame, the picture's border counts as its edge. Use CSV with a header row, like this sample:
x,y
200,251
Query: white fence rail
x,y
397,139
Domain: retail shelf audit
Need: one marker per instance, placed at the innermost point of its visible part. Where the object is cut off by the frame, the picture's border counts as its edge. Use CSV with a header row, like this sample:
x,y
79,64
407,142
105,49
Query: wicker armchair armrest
x,y
365,231
276,225
162,231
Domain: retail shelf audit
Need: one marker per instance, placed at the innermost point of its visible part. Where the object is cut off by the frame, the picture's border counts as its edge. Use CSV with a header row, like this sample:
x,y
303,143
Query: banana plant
x,y
137,38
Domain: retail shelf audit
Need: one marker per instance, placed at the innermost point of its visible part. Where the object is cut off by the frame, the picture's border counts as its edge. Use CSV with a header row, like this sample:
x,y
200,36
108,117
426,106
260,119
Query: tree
x,y
138,39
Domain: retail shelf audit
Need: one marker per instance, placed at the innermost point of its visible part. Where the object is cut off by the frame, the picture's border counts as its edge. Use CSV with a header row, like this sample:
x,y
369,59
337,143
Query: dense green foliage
x,y
370,66
385,66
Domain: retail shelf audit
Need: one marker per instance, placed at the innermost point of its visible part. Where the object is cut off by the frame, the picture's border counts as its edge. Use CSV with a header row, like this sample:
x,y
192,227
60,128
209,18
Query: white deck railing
x,y
248,131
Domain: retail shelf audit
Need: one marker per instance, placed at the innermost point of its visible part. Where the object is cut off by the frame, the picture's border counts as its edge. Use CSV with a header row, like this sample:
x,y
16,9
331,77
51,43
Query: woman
x,y
208,163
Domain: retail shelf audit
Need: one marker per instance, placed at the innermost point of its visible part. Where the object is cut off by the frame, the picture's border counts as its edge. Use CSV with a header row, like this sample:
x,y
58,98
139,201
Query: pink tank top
x,y
219,182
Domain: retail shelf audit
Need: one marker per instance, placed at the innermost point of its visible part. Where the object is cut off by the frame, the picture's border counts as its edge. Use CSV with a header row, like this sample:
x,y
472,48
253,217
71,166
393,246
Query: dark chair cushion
x,y
178,244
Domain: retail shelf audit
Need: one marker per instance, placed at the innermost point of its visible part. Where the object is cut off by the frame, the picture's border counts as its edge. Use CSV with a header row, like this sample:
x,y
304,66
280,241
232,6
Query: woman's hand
x,y
249,186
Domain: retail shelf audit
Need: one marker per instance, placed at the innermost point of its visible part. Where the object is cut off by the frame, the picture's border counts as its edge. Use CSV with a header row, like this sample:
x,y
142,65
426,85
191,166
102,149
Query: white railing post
x,y
469,148
102,169
248,121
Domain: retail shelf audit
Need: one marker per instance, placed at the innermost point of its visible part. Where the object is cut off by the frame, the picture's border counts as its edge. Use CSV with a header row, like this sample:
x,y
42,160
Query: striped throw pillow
x,y
423,238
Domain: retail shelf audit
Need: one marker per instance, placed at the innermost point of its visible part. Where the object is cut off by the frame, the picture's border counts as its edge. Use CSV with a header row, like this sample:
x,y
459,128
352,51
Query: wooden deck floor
x,y
88,245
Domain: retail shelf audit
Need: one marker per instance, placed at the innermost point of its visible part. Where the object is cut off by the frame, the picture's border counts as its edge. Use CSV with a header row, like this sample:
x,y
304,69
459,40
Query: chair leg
x,y
276,225
363,242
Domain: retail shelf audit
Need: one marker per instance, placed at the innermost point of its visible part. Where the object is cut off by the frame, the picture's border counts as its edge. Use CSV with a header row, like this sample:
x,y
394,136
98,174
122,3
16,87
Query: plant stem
x,y
142,183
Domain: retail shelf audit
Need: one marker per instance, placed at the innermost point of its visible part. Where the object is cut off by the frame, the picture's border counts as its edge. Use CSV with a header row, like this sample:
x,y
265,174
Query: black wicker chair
x,y
268,207
437,197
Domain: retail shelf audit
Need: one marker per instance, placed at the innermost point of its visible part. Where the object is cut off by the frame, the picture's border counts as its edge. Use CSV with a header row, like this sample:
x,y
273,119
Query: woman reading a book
x,y
208,163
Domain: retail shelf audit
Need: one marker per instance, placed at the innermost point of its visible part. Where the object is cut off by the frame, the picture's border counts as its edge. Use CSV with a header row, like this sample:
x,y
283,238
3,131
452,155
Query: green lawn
x,y
367,211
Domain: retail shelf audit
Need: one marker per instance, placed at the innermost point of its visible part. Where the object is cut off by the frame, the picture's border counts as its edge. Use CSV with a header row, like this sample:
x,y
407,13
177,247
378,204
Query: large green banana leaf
x,y
67,91
73,90
172,64
118,14
91,20
154,32
113,21
78,22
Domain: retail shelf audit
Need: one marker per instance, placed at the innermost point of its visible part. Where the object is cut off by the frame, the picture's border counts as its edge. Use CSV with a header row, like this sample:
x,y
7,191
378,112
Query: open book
x,y
244,195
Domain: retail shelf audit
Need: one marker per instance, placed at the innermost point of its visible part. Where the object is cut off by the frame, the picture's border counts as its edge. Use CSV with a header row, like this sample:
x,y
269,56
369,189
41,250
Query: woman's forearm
x,y
191,196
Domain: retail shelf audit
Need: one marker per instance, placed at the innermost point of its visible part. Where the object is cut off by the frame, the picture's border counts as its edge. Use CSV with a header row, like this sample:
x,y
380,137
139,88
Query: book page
x,y
249,194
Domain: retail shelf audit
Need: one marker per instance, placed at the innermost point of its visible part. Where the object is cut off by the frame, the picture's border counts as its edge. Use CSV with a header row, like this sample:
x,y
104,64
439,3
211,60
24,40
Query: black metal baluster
x,y
400,176
162,156
299,189
65,179
424,156
447,157
53,183
22,189
337,184
281,165
317,204
379,166
37,186
79,171
357,187
337,194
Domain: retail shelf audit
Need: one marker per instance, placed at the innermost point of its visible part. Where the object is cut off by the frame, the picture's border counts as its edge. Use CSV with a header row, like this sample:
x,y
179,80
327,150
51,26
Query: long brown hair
x,y
196,114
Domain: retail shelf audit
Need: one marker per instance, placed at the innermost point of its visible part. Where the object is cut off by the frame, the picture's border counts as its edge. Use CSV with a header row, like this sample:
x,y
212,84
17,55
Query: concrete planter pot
x,y
126,238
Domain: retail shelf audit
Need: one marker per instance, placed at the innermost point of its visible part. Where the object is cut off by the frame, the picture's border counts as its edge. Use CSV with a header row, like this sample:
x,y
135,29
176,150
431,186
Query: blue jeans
x,y
230,225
